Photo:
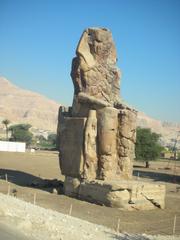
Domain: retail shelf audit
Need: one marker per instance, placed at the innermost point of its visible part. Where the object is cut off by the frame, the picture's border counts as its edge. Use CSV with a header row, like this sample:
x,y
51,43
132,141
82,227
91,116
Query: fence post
x,y
118,225
34,198
174,225
8,192
6,177
70,210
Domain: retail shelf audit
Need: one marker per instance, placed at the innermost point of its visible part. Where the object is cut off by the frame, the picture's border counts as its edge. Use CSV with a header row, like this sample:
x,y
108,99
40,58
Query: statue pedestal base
x,y
122,194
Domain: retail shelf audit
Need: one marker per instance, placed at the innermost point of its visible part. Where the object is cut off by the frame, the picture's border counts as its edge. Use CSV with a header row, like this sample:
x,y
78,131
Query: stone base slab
x,y
123,194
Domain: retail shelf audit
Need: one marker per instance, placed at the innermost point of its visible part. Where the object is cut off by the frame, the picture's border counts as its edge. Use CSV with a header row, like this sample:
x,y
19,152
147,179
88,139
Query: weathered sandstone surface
x,y
97,134
124,194
99,130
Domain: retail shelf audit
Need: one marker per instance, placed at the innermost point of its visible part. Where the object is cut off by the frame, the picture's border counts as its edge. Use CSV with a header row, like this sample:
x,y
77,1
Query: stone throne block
x,y
97,134
71,150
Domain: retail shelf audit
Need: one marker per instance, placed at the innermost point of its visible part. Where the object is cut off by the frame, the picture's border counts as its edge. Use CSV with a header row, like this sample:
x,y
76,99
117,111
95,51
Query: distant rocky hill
x,y
23,106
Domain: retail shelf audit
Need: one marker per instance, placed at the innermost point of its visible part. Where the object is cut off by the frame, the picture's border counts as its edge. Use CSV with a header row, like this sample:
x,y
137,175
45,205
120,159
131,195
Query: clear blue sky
x,y
38,39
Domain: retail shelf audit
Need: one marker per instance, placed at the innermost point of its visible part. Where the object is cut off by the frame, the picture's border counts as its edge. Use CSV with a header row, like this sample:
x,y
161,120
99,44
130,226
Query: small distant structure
x,y
167,155
6,146
32,150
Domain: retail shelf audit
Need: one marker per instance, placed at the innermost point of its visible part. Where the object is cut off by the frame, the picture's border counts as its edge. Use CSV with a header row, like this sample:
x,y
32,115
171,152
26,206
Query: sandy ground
x,y
7,233
40,223
23,169
28,221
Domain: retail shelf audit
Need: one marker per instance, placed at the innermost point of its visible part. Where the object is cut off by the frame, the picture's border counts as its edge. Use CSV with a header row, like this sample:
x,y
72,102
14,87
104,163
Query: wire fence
x,y
170,225
166,226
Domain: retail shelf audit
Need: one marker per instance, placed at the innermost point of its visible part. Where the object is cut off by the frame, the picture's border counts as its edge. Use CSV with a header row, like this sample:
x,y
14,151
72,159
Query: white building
x,y
12,146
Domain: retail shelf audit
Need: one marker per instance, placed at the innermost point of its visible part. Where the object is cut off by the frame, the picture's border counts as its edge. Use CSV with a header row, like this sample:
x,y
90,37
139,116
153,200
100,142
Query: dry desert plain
x,y
22,171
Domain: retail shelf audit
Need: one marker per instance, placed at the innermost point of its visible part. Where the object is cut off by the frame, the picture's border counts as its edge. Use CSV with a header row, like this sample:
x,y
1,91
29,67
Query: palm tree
x,y
6,122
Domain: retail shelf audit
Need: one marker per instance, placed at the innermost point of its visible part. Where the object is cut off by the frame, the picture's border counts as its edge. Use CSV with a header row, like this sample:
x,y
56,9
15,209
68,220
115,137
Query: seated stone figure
x,y
97,134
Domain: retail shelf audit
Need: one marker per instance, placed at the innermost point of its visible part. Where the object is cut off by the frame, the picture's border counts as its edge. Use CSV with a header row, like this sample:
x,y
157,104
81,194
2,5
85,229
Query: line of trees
x,y
43,143
147,146
22,133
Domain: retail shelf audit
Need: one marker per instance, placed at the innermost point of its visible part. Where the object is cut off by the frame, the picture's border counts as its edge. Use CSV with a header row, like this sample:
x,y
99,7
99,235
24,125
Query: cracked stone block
x,y
107,148
71,146
127,195
90,147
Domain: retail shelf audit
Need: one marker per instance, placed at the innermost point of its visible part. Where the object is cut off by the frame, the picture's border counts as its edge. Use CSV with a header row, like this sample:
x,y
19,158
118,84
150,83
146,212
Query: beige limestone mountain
x,y
23,106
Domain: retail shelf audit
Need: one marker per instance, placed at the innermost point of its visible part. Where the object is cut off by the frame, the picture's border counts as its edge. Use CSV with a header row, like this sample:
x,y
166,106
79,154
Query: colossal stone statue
x,y
97,134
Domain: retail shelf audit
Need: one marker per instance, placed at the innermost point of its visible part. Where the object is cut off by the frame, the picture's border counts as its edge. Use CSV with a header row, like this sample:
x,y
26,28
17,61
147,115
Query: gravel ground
x,y
7,233
38,223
